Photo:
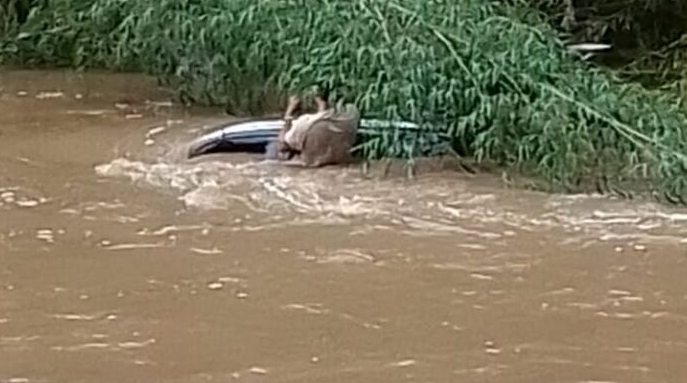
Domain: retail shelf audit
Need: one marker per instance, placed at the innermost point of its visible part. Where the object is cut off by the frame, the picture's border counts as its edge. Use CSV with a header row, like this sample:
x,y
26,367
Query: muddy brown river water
x,y
120,261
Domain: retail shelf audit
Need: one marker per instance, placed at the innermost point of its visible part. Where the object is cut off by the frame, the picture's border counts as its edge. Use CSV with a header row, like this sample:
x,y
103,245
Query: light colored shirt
x,y
343,120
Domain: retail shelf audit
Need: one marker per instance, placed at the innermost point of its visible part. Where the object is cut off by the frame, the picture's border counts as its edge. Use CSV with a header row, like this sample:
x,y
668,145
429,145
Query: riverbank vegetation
x,y
491,81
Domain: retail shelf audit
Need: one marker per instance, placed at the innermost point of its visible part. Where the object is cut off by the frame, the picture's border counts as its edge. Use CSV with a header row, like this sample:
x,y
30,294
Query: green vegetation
x,y
489,80
649,36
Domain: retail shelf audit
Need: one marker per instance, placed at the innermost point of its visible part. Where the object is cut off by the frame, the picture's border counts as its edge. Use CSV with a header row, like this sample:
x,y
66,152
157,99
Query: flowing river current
x,y
121,261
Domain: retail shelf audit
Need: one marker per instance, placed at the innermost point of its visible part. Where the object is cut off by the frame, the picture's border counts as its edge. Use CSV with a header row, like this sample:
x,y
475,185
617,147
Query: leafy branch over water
x,y
483,79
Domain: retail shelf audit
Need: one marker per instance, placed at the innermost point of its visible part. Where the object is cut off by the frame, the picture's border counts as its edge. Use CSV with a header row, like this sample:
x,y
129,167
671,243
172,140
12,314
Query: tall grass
x,y
483,79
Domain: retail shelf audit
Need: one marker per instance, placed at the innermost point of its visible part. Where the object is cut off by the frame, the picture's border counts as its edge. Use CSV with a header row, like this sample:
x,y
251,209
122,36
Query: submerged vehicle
x,y
255,135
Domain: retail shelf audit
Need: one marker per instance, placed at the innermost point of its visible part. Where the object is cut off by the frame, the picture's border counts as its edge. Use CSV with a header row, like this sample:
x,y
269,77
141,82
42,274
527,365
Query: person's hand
x,y
293,101
291,107
322,104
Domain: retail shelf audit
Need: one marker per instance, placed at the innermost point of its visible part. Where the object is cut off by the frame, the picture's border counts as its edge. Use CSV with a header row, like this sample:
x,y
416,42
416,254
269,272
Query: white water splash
x,y
275,195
